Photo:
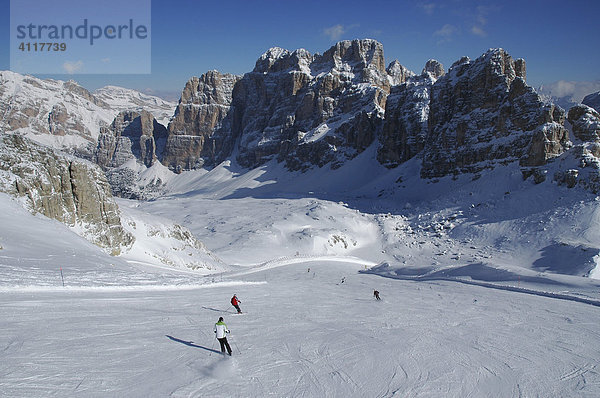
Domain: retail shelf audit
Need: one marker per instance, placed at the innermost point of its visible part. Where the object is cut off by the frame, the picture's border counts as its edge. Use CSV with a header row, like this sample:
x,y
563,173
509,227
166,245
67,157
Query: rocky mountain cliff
x,y
405,126
592,100
482,113
62,187
296,107
131,136
65,115
61,114
198,132
311,110
123,99
581,165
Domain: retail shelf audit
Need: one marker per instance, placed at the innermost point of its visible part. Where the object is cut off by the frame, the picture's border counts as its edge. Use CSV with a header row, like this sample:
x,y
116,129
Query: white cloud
x,y
478,28
72,67
335,32
445,33
478,31
575,90
428,8
105,60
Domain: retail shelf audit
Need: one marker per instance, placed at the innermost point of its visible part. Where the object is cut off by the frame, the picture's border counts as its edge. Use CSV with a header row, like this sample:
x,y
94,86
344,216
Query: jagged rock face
x,y
593,101
122,99
434,68
64,188
483,113
581,167
42,108
295,107
586,123
398,73
132,135
198,132
311,110
405,126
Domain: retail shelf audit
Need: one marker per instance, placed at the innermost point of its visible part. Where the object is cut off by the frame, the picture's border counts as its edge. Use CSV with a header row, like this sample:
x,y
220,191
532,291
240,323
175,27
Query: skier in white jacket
x,y
221,332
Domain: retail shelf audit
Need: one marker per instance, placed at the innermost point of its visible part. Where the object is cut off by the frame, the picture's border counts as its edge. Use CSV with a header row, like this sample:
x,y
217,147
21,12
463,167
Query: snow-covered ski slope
x,y
488,288
303,334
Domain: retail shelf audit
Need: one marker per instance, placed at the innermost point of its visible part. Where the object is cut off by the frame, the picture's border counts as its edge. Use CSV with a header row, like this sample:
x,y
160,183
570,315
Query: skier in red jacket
x,y
236,303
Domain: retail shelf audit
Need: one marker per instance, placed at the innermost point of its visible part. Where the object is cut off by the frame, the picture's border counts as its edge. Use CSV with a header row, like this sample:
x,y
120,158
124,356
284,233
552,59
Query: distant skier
x,y
343,280
376,294
236,303
221,331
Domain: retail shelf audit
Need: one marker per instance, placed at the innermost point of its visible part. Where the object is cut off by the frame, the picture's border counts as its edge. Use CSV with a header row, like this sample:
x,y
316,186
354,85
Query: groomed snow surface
x,y
303,334
487,290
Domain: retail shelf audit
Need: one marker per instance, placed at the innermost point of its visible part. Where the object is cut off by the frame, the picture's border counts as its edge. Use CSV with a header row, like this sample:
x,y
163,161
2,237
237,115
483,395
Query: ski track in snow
x,y
302,335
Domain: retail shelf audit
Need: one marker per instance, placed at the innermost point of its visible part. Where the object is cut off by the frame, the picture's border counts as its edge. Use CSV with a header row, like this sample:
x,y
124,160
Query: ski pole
x,y
212,347
236,346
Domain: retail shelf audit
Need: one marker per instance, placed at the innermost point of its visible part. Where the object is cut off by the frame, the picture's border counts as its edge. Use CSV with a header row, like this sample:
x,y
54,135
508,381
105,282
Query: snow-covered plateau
x,y
487,289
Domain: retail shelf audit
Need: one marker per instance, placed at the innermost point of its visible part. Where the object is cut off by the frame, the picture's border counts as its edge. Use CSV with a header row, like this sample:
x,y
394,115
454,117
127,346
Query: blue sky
x,y
558,39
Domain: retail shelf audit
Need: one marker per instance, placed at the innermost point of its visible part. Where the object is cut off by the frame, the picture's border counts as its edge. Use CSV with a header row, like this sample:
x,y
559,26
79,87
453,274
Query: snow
x,y
487,283
302,334
24,94
21,91
124,99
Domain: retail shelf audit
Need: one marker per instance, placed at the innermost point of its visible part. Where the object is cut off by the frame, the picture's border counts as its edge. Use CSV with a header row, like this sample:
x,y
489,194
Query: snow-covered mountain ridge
x,y
65,115
124,99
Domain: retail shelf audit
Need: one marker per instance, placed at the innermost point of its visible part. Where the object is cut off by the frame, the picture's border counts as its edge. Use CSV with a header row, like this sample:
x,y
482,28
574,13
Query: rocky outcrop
x,y
198,133
434,69
295,107
131,135
398,73
585,122
405,126
308,109
50,110
121,99
64,188
482,113
592,100
580,167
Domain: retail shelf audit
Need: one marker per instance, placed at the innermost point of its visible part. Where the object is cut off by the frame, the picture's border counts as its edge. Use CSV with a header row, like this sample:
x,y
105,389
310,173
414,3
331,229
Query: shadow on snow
x,y
191,344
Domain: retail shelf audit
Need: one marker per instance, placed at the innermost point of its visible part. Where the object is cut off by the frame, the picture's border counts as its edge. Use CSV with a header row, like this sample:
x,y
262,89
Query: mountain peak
x,y
266,61
358,51
398,73
434,68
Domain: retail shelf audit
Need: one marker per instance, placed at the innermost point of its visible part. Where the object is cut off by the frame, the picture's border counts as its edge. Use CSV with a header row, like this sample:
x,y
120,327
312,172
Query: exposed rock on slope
x,y
311,110
482,113
198,133
296,107
586,123
593,101
405,126
131,135
59,113
582,164
64,188
123,99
